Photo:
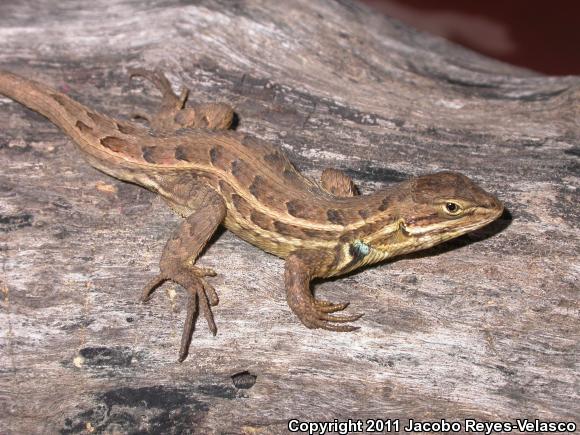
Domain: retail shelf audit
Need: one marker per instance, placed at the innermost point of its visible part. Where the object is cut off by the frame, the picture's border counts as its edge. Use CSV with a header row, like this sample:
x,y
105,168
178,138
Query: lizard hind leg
x,y
177,264
314,313
173,115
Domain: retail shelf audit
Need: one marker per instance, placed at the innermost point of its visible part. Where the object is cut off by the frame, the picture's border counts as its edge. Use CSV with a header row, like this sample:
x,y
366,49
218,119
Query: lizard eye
x,y
452,208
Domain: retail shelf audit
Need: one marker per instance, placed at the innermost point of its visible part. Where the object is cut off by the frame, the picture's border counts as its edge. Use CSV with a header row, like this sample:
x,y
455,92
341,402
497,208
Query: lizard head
x,y
423,212
445,205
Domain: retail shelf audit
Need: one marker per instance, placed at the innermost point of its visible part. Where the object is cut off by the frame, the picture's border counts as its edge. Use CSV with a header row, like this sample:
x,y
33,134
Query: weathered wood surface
x,y
485,327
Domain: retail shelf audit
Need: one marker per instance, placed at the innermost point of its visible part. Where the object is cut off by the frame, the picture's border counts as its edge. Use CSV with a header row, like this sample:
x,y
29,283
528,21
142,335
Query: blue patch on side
x,y
361,249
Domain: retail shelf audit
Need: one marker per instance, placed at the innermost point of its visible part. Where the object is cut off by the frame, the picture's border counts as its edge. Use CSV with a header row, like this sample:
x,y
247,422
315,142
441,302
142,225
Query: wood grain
x,y
486,326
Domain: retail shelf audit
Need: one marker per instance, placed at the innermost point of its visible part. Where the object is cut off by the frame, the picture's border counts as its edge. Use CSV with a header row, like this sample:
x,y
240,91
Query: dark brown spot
x,y
113,143
60,99
180,153
261,220
335,216
255,188
96,118
363,213
318,234
297,208
84,128
65,102
214,154
240,204
148,154
275,159
243,172
290,175
385,204
311,233
255,144
287,230
236,168
127,129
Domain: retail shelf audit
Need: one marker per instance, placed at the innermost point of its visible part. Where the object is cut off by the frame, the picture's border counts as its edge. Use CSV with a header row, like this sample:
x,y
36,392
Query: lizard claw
x,y
202,296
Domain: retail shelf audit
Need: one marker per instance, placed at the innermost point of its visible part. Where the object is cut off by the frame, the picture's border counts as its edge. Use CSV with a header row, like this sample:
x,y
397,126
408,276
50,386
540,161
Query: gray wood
x,y
483,327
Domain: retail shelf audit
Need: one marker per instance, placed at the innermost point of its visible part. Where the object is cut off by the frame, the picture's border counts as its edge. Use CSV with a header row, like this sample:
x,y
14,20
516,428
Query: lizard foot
x,y
202,296
312,312
173,115
315,313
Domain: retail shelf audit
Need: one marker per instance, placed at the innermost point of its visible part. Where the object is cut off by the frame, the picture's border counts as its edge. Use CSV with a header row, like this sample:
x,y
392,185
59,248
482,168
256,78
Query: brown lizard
x,y
211,175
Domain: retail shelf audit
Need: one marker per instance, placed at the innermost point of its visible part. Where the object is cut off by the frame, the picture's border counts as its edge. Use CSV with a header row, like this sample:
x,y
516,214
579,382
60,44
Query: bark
x,y
483,327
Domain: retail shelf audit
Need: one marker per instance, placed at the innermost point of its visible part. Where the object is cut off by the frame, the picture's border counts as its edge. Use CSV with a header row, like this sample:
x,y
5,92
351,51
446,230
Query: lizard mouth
x,y
445,230
489,214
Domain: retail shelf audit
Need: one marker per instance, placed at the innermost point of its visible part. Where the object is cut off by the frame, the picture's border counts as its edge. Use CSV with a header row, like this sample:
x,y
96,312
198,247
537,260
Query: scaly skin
x,y
211,176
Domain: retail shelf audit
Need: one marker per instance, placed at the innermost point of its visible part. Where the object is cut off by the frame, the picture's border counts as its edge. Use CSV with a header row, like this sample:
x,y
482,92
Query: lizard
x,y
212,175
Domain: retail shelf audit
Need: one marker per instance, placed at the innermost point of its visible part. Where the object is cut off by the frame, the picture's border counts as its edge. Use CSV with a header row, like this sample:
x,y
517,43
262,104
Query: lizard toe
x,y
315,317
330,325
202,297
210,292
151,286
339,319
339,328
332,308
203,271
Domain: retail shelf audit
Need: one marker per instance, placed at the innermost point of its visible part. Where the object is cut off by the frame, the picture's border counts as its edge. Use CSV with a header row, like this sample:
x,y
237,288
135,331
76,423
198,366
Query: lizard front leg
x,y
301,268
173,115
177,263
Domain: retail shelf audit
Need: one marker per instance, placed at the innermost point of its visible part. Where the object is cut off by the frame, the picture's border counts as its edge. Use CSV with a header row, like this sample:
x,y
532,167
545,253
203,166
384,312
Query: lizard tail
x,y
111,146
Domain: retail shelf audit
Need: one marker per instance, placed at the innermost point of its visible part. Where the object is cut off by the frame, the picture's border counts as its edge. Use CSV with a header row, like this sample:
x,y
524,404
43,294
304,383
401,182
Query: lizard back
x,y
269,203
